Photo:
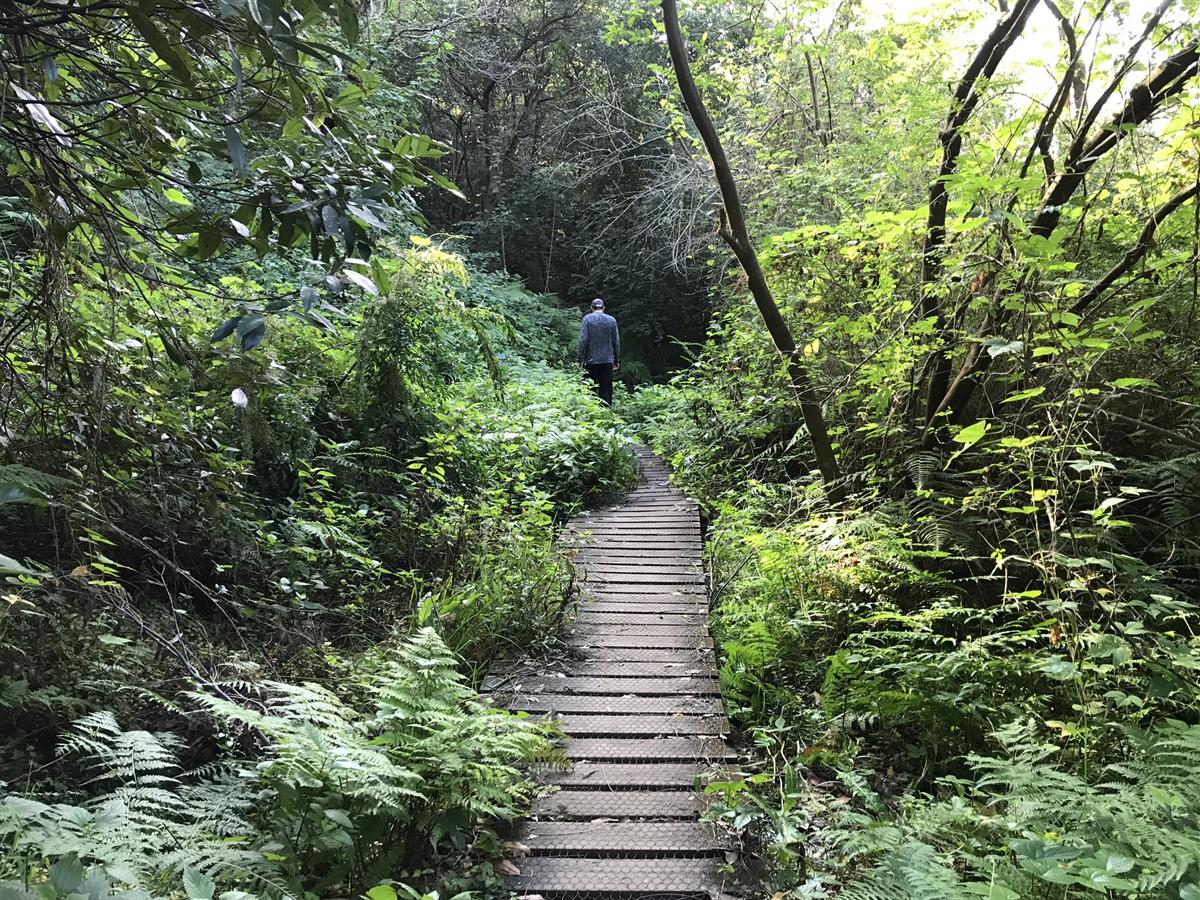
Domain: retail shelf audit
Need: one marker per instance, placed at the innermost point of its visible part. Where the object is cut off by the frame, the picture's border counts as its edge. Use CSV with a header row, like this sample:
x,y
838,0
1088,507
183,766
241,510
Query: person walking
x,y
600,349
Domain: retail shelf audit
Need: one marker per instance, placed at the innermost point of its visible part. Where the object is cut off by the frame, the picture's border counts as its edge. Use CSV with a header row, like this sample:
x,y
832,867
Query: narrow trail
x,y
639,702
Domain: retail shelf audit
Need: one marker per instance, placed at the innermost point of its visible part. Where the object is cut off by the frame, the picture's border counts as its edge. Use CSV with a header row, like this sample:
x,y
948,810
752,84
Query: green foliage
x,y
558,146
275,465
223,513
348,790
1025,827
546,429
191,130
1013,399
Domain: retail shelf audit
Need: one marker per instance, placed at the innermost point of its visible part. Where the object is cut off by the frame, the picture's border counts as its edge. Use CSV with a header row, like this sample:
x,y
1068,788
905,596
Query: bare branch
x,y
966,98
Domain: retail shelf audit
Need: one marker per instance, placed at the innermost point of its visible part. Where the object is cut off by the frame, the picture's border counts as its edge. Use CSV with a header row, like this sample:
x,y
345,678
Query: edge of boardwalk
x,y
638,699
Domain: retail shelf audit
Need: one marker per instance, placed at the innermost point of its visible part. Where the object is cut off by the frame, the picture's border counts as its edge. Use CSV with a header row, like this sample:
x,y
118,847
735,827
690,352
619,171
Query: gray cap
x,y
597,303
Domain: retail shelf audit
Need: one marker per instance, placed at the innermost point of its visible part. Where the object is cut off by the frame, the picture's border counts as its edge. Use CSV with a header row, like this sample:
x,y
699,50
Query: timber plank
x,y
708,750
569,804
615,705
587,725
685,837
553,878
556,684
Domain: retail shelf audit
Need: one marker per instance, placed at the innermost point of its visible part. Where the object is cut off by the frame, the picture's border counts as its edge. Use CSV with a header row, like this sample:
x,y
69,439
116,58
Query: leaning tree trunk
x,y
737,236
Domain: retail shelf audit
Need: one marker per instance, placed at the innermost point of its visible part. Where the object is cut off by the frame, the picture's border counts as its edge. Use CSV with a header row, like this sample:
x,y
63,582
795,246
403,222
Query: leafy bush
x,y
542,430
892,646
226,511
1025,826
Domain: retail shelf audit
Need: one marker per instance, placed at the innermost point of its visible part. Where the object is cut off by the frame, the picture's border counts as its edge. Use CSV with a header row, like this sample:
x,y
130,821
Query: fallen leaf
x,y
505,867
516,849
80,571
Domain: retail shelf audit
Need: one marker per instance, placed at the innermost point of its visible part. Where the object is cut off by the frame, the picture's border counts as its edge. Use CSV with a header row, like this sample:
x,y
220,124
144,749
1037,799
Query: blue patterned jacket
x,y
599,340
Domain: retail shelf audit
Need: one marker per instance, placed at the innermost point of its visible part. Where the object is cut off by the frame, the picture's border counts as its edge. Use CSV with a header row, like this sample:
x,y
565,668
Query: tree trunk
x,y
737,236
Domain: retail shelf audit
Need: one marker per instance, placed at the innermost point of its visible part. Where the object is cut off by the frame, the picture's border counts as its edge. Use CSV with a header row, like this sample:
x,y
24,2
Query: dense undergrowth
x,y
281,466
977,677
970,665
244,611
969,682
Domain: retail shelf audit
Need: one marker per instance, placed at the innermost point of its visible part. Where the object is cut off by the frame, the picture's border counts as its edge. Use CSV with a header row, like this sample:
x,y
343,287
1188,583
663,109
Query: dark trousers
x,y
602,375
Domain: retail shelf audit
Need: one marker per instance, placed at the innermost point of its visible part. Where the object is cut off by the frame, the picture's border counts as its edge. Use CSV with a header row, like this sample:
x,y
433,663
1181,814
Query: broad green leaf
x,y
347,13
971,434
998,346
1026,394
161,45
991,891
16,492
251,330
237,150
198,885
9,566
361,280
225,329
1059,668
67,874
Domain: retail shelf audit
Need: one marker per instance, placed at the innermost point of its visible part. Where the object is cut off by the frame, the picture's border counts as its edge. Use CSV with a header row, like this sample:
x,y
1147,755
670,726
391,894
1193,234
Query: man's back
x,y
599,340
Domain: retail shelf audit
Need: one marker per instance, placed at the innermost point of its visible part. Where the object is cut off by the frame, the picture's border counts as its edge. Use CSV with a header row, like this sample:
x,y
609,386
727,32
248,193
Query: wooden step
x,y
605,617
554,878
688,667
587,629
595,607
585,638
638,698
680,838
690,656
611,705
571,804
606,776
604,580
587,725
711,751
650,593
604,684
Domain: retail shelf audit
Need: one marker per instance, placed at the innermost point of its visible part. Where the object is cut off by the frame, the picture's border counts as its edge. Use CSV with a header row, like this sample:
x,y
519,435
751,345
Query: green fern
x,y
1033,829
911,870
351,786
21,484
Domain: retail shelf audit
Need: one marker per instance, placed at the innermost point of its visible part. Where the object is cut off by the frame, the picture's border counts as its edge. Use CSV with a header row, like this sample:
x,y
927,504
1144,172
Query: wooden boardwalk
x,y
639,702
